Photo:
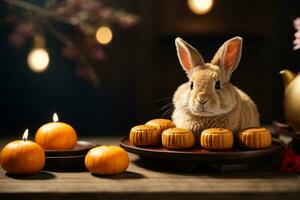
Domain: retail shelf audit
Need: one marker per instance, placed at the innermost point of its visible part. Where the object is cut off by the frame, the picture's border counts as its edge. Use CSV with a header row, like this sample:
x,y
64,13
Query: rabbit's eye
x,y
192,85
218,85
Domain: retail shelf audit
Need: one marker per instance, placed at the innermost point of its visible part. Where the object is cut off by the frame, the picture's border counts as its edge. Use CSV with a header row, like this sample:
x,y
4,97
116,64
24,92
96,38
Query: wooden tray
x,y
198,156
68,160
82,147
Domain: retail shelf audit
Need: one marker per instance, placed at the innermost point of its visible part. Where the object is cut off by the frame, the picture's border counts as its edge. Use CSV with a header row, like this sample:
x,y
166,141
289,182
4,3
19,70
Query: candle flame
x,y
55,117
25,135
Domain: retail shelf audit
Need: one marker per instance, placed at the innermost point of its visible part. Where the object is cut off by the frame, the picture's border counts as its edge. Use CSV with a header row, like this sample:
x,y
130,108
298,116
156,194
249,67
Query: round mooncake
x,y
216,139
145,135
177,138
161,124
255,138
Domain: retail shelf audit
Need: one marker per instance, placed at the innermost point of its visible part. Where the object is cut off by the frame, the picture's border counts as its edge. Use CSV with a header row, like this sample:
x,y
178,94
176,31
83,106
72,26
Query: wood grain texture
x,y
266,182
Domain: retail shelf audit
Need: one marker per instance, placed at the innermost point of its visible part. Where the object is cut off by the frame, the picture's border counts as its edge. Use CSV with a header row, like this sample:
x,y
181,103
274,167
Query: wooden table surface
x,y
265,182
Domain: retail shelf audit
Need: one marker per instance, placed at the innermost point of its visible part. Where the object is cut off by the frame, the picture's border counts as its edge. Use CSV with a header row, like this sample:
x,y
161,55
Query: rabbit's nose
x,y
202,101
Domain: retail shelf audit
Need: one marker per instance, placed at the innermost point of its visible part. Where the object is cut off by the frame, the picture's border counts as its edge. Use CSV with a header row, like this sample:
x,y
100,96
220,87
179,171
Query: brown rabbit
x,y
208,99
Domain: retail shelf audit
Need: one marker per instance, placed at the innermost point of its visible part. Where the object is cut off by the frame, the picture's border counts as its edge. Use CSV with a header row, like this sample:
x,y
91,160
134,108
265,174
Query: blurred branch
x,y
36,9
60,36
84,15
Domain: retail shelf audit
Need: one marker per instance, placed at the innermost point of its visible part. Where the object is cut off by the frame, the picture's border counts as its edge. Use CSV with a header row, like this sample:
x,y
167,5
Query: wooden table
x,y
265,182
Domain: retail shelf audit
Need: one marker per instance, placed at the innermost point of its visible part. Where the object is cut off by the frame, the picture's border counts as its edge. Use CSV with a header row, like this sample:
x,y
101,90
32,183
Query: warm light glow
x,y
200,7
55,117
38,59
25,135
104,35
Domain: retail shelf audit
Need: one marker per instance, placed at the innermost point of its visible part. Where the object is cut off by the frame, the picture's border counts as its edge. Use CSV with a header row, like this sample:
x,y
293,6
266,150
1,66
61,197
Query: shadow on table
x,y
123,176
256,170
67,170
40,176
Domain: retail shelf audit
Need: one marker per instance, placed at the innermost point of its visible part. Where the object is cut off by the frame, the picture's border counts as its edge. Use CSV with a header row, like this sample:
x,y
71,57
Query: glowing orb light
x,y
200,7
104,35
38,60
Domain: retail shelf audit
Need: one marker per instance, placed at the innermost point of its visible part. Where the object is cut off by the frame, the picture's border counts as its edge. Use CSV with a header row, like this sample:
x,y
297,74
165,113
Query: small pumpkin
x,y
107,160
56,136
22,157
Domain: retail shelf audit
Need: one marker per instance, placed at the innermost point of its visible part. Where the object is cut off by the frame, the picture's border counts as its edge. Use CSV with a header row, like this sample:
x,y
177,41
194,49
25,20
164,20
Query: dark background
x,y
142,67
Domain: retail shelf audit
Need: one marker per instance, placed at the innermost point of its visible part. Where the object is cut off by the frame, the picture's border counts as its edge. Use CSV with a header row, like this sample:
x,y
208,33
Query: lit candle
x,y
22,157
56,135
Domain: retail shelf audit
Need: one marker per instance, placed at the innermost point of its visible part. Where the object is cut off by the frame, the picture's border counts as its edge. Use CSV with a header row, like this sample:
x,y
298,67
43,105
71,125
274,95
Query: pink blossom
x,y
127,21
105,13
97,54
69,52
21,33
16,39
25,30
81,72
296,42
297,23
92,6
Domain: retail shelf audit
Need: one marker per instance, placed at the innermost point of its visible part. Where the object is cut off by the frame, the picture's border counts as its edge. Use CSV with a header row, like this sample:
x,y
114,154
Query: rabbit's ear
x,y
188,56
228,56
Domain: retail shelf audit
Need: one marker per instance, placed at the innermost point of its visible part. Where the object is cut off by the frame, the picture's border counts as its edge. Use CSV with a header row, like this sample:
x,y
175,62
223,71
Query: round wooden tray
x,y
82,147
199,156
68,160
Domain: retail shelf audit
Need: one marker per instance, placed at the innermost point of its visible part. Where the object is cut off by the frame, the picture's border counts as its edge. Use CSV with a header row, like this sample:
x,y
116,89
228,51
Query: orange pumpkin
x,y
22,157
107,160
56,136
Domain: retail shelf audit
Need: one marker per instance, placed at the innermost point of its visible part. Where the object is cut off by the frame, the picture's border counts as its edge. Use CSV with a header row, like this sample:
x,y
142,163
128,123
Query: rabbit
x,y
208,99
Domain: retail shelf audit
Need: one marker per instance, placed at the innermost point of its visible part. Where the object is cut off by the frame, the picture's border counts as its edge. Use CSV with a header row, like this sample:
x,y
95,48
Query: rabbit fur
x,y
208,99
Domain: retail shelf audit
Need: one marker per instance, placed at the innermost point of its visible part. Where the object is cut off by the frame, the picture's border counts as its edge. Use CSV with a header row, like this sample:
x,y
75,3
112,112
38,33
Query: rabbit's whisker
x,y
168,113
168,105
163,99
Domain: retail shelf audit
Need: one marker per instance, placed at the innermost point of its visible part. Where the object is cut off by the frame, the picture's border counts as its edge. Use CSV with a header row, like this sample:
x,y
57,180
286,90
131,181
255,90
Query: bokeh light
x,y
38,60
200,7
104,35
